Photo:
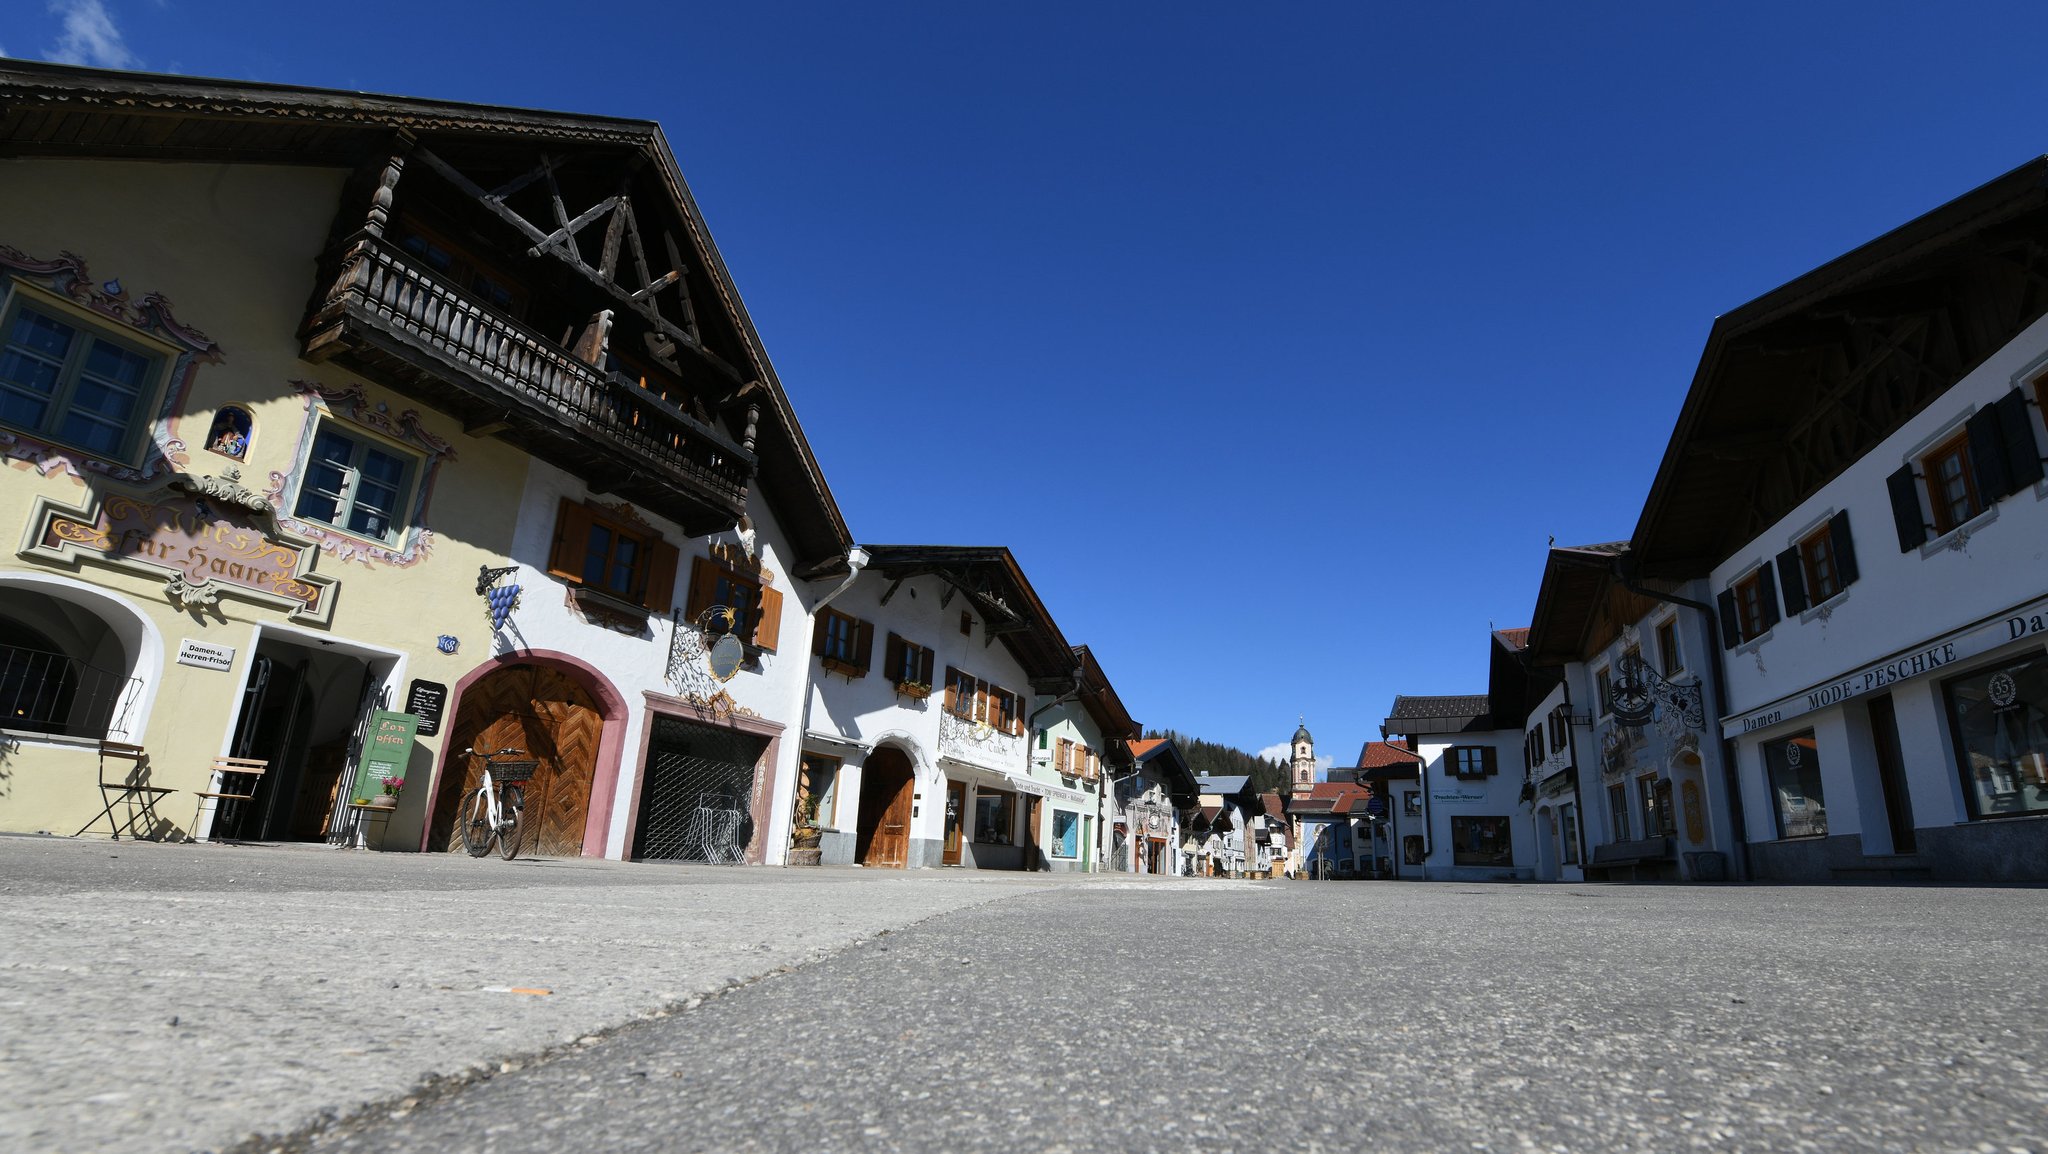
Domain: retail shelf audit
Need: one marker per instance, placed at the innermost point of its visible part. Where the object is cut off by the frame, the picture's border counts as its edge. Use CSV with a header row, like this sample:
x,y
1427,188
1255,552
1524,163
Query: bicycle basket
x,y
506,771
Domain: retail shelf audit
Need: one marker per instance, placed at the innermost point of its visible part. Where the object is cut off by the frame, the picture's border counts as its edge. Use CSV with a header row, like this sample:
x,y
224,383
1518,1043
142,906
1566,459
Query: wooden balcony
x,y
382,314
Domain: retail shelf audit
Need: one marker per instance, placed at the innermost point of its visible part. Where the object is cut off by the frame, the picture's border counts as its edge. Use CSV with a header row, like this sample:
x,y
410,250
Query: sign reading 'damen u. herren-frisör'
x,y
1927,657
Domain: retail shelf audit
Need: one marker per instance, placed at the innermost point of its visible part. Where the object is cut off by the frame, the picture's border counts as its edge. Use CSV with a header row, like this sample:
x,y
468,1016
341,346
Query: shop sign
x,y
1927,658
425,701
203,655
205,549
387,746
1456,795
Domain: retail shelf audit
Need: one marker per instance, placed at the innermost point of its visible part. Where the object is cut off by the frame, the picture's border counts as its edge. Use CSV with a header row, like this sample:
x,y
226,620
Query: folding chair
x,y
132,788
223,768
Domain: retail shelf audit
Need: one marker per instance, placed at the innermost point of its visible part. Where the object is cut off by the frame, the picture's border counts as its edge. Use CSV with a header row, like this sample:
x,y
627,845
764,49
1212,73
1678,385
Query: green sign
x,y
386,748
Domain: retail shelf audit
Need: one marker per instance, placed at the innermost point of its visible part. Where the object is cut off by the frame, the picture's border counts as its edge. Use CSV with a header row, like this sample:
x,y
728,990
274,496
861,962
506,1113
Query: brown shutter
x,y
1792,579
1768,597
661,576
821,631
768,622
1731,628
1987,455
864,645
2022,458
703,586
892,657
924,665
1486,760
980,700
952,690
572,540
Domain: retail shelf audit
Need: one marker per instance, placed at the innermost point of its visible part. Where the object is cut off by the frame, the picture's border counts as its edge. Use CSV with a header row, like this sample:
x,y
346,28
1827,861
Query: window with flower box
x,y
843,643
972,699
908,666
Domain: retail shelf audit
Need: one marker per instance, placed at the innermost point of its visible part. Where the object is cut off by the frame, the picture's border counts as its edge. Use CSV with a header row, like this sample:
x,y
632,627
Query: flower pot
x,y
385,801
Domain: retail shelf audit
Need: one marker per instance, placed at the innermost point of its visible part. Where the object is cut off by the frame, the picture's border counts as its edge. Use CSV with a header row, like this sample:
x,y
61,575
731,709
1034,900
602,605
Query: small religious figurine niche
x,y
229,435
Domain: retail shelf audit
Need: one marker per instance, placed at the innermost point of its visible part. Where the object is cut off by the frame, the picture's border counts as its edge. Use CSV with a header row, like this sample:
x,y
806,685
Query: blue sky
x,y
1285,338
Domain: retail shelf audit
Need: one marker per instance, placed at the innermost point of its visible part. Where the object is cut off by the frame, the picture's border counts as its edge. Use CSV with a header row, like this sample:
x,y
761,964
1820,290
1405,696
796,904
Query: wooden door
x,y
552,717
1034,813
956,816
882,830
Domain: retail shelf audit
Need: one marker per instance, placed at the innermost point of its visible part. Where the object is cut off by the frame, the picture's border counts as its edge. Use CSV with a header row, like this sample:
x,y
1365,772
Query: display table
x,y
366,823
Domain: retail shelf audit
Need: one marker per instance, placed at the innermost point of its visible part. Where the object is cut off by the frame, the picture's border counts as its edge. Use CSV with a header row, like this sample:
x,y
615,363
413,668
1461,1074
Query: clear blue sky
x,y
1290,333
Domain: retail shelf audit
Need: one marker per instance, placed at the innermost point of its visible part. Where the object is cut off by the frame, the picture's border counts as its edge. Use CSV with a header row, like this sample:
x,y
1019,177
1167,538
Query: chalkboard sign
x,y
424,701
386,748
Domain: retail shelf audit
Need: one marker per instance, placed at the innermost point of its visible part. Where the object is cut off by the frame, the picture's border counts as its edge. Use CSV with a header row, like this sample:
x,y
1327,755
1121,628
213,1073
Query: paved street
x,y
1013,1012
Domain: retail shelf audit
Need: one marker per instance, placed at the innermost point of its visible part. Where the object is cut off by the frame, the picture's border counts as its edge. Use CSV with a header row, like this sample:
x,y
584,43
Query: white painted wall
x,y
1496,796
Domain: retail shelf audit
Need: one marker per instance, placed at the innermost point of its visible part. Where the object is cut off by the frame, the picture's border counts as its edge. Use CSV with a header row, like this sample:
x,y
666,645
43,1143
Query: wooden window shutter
x,y
1731,627
1486,760
821,631
980,700
1987,454
952,690
1767,596
662,559
768,619
1792,579
1905,491
572,540
2022,458
892,657
1843,547
703,587
864,646
924,665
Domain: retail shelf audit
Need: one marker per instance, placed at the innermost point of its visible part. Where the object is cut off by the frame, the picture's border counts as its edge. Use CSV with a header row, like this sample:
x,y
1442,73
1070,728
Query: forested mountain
x,y
1208,757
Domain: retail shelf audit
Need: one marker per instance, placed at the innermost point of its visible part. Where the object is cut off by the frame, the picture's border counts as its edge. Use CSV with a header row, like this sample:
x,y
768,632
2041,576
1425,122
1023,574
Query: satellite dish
x,y
727,654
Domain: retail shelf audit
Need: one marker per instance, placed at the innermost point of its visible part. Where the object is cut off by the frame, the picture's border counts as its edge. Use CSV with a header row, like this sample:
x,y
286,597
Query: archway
x,y
567,718
882,831
76,661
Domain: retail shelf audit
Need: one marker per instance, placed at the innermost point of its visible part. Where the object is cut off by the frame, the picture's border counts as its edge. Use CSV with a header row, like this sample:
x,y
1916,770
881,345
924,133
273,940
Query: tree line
x,y
1217,760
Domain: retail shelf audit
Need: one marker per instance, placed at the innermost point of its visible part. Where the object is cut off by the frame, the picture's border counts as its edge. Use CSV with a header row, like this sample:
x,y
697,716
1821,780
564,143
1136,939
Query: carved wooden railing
x,y
382,285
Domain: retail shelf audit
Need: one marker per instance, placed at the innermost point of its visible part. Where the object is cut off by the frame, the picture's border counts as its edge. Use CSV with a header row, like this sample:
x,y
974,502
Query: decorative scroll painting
x,y
205,548
68,277
352,404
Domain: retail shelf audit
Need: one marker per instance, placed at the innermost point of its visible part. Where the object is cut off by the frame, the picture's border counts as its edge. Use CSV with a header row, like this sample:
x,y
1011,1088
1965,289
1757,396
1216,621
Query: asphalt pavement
x,y
363,1003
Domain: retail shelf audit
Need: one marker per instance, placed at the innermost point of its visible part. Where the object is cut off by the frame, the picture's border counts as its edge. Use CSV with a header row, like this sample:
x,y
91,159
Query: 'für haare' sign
x,y
1928,658
205,549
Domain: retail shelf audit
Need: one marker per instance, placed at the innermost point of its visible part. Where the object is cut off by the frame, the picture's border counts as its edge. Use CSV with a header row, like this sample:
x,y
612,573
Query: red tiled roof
x,y
1515,638
1377,754
1275,807
1141,748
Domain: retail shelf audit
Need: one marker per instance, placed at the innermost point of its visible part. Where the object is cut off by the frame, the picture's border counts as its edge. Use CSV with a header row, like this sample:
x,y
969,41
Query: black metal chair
x,y
131,789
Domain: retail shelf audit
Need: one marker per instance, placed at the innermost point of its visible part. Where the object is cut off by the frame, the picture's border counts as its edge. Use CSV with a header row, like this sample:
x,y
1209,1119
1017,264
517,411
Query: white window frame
x,y
94,328
403,509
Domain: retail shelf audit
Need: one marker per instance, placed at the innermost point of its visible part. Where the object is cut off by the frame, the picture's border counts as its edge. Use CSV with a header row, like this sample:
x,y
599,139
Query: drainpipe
x,y
856,560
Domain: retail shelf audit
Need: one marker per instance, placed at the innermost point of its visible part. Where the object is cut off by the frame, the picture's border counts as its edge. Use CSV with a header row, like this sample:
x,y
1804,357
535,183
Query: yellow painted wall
x,y
233,248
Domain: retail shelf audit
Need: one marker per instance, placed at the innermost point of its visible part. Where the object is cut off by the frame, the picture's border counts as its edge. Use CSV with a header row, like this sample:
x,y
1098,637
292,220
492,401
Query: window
x,y
1999,717
1669,660
1481,841
1951,483
602,551
1411,803
1066,833
1469,760
74,383
907,664
817,791
972,699
846,644
756,608
966,623
1749,607
1821,565
1617,810
1569,816
1792,768
357,484
1603,691
992,817
1559,721
460,268
1993,456
1063,759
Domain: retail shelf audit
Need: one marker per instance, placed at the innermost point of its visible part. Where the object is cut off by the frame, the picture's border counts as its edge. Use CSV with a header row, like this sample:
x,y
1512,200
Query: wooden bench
x,y
1631,856
131,788
223,767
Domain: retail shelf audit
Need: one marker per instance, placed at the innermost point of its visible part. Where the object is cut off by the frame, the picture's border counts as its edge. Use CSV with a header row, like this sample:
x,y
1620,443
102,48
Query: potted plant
x,y
915,690
808,837
389,798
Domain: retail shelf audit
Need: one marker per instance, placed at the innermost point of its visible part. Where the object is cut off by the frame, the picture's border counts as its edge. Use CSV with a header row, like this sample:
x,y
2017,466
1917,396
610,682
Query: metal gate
x,y
695,802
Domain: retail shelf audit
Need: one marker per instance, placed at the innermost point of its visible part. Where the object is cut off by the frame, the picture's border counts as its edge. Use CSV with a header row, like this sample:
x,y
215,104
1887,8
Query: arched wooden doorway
x,y
554,717
882,832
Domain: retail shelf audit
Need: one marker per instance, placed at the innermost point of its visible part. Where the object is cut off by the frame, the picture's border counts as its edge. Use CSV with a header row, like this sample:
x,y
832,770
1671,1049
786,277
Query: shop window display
x,y
1793,768
1999,717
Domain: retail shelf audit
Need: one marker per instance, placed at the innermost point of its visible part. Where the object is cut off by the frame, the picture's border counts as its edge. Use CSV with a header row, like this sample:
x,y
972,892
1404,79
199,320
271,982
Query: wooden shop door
x,y
882,831
956,816
551,716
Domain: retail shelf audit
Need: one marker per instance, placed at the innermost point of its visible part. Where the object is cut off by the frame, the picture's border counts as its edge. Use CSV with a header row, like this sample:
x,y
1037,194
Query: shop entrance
x,y
553,717
956,814
697,794
882,831
304,708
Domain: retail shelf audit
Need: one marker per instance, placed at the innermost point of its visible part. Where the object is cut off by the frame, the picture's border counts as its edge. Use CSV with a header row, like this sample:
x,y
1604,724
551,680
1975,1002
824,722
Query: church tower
x,y
1304,762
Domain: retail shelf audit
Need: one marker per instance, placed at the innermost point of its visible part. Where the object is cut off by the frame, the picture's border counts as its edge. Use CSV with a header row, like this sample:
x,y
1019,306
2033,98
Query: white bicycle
x,y
496,810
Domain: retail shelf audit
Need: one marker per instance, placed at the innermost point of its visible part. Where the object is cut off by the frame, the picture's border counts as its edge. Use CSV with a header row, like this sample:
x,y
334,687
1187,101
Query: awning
x,y
957,770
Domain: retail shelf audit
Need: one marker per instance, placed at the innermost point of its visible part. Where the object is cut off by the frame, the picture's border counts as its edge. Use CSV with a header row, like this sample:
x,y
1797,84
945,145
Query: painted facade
x,y
1145,808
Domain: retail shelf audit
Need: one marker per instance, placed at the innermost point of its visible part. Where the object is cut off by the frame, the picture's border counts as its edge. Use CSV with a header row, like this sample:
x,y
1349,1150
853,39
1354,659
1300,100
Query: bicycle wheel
x,y
475,821
512,833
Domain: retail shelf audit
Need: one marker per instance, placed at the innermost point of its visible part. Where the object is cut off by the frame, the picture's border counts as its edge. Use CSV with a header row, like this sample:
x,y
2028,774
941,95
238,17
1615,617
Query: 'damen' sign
x,y
386,748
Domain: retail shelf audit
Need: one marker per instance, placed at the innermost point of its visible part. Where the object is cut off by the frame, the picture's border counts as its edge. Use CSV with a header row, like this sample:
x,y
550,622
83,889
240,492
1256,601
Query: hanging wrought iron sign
x,y
1636,693
501,599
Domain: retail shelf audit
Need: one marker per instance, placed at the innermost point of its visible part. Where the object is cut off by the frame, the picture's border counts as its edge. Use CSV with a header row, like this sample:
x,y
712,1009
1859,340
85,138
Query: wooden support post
x,y
387,187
